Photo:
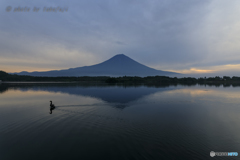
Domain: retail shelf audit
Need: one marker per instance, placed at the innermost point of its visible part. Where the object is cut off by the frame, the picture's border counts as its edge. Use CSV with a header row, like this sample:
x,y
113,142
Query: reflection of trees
x,y
3,88
26,86
83,85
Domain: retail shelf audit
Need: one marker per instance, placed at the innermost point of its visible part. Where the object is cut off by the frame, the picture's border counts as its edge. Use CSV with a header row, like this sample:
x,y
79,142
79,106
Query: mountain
x,y
119,65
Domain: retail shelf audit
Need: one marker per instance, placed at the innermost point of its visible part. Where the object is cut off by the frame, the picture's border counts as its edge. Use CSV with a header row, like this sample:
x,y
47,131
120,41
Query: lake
x,y
118,122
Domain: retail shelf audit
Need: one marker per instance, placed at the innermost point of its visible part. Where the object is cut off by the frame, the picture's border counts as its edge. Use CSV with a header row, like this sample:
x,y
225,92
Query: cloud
x,y
194,71
166,34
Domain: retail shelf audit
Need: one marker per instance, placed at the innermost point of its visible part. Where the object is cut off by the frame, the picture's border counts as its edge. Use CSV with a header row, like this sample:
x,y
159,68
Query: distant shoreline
x,y
225,80
33,82
48,82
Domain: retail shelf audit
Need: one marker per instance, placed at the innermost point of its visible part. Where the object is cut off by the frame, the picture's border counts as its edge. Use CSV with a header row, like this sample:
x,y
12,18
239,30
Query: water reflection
x,y
118,122
117,95
51,110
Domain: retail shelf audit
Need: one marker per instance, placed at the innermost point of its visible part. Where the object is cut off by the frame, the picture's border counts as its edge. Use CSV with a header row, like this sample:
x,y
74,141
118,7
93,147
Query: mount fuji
x,y
119,65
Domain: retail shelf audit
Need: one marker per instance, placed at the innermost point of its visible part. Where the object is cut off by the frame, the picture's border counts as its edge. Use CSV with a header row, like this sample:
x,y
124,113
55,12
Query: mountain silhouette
x,y
119,65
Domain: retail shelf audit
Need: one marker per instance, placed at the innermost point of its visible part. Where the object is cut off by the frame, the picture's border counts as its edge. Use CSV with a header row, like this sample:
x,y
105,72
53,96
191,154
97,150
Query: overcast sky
x,y
187,36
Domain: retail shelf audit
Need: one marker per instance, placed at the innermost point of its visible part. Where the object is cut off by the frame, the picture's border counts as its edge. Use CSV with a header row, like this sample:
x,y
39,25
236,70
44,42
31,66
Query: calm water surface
x,y
118,122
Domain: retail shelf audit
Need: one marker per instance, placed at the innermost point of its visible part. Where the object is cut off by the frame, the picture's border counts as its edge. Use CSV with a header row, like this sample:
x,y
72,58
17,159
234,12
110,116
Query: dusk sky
x,y
187,36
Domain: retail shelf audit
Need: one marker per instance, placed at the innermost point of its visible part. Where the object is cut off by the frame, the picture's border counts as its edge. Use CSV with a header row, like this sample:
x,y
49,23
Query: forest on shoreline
x,y
5,77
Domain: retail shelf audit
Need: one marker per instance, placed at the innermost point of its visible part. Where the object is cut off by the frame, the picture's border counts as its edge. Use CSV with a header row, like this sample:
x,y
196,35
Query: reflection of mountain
x,y
120,95
119,65
108,94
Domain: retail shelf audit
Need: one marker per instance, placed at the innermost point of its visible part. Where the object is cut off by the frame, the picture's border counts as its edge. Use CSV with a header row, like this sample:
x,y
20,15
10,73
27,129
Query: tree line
x,y
125,79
